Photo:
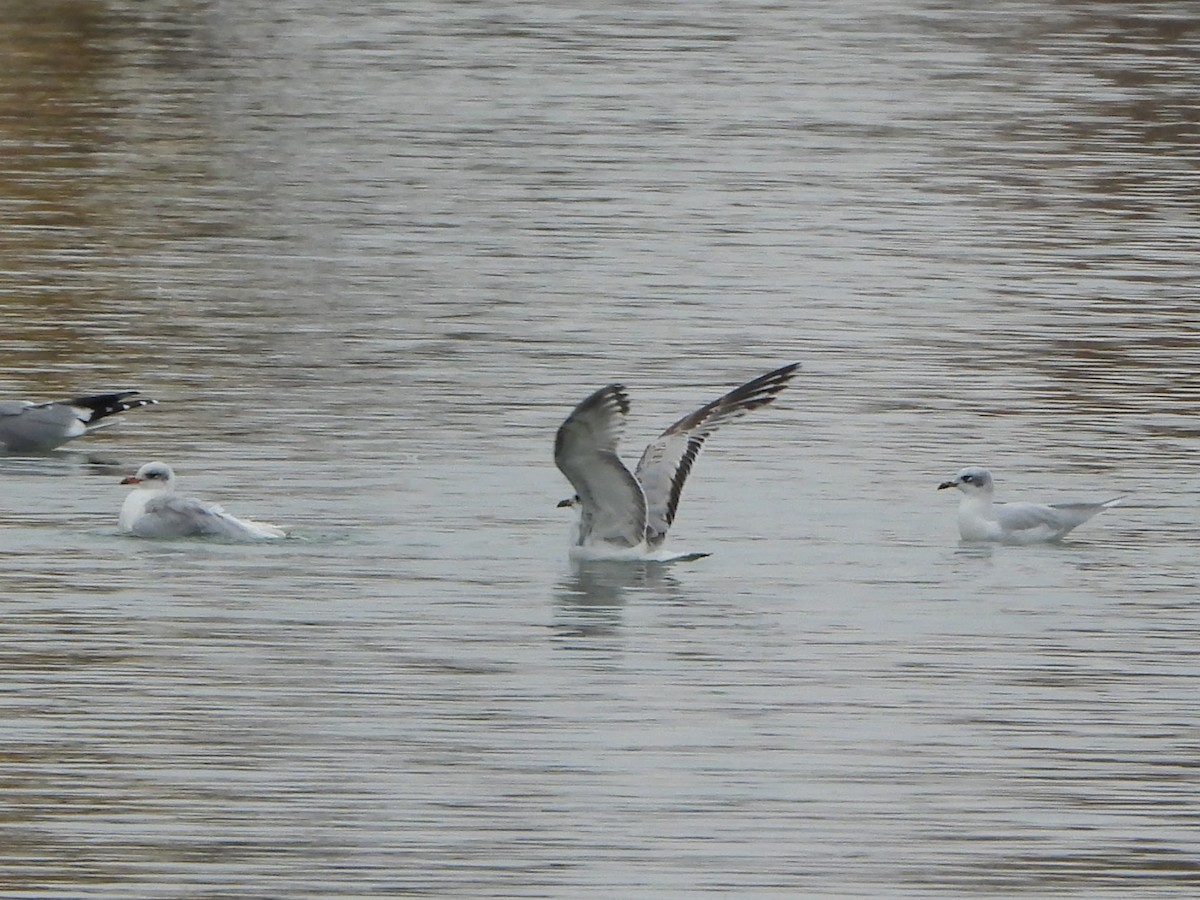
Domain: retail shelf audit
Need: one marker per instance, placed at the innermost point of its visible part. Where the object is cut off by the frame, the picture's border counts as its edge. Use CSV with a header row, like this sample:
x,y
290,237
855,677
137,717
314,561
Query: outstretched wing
x,y
665,465
585,450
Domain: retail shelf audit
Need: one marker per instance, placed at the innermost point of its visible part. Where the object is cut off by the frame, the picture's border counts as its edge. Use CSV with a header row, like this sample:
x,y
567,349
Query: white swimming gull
x,y
154,510
39,427
624,515
979,519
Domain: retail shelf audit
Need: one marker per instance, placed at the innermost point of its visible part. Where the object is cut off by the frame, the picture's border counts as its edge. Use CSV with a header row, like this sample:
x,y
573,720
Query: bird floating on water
x,y
154,510
981,519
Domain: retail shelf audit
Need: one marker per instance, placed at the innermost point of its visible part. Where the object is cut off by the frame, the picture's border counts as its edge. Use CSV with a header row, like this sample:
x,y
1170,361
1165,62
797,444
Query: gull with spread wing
x,y
980,519
626,515
39,427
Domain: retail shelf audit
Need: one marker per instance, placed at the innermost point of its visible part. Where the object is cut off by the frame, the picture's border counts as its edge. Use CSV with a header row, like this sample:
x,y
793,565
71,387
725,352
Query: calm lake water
x,y
369,256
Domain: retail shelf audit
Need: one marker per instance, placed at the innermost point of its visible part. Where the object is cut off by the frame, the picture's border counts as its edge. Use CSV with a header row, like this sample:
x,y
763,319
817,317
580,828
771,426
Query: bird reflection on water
x,y
591,596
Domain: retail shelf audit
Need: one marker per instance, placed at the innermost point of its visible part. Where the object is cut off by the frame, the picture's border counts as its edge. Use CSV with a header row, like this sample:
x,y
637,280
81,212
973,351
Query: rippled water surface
x,y
367,259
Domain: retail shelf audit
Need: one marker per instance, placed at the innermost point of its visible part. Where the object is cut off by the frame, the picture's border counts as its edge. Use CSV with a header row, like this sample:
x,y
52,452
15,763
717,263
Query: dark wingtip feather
x,y
611,395
105,405
620,396
766,387
752,395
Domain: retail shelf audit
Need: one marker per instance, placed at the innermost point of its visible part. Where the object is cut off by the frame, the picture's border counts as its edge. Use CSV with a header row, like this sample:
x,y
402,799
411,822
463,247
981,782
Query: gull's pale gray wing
x,y
38,427
665,464
177,515
613,507
1025,516
1078,513
1053,520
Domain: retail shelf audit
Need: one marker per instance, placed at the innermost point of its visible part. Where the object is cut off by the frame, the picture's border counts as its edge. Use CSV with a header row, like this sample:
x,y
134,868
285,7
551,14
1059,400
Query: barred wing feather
x,y
666,463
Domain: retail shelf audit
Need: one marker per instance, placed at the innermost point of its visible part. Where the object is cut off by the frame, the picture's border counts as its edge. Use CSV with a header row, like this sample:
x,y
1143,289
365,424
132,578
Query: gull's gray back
x,y
26,427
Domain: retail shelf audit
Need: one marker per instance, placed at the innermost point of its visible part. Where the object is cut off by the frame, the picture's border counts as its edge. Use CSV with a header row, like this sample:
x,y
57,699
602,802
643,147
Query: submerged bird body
x,y
982,519
39,427
626,515
153,509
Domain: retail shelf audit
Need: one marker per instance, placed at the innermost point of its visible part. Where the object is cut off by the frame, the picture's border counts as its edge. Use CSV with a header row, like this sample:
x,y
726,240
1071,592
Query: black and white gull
x,y
27,427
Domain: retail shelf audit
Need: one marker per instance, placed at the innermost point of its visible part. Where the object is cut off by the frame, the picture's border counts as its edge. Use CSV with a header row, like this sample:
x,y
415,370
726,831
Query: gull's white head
x,y
154,476
972,481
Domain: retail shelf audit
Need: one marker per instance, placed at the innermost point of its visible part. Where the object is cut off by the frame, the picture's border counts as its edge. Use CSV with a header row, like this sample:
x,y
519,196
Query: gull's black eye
x,y
968,478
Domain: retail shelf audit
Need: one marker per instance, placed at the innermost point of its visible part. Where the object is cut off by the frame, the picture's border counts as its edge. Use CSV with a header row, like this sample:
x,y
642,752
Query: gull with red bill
x,y
154,510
